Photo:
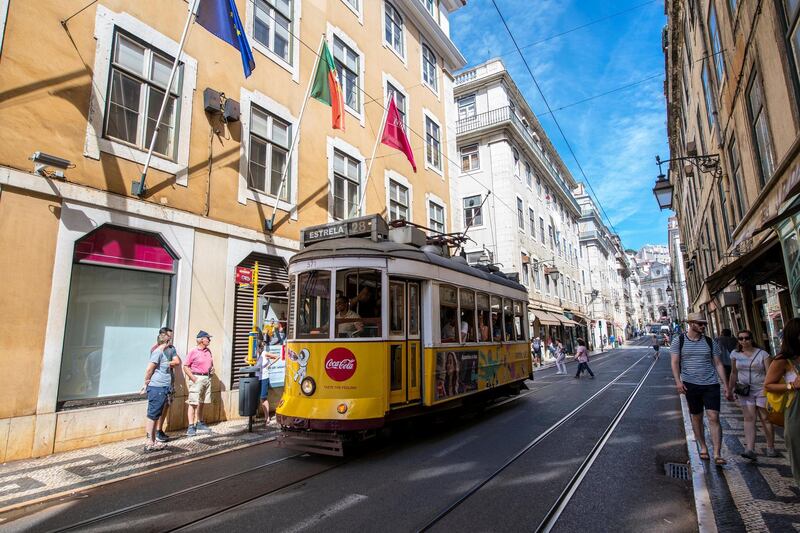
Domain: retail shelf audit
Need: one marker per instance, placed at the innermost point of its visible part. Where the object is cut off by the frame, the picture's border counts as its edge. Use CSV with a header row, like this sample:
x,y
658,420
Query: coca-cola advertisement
x,y
340,364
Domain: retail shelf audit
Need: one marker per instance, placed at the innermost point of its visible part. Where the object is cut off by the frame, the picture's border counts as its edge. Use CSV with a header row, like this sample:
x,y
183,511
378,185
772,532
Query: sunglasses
x,y
744,338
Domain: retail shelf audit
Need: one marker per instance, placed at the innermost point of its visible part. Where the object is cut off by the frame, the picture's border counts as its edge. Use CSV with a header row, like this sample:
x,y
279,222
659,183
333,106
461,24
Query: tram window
x,y
518,321
313,304
467,322
448,307
359,312
508,319
413,309
397,315
484,330
497,329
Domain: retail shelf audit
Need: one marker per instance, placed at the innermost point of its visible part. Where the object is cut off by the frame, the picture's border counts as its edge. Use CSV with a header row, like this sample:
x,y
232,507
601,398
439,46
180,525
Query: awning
x,y
723,276
546,318
568,323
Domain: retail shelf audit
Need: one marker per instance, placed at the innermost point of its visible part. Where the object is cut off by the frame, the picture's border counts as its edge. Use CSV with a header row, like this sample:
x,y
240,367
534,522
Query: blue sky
x,y
615,137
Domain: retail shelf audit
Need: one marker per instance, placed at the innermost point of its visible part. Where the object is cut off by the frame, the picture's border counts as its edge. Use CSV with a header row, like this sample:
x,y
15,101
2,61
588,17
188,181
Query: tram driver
x,y
347,324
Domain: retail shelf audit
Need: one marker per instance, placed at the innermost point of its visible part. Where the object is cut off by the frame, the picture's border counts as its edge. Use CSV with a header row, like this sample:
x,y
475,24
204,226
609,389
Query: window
x,y
399,101
313,304
269,148
393,33
467,322
760,127
466,107
497,330
432,144
119,296
429,75
552,236
541,230
436,217
539,186
432,6
348,69
398,201
470,159
353,4
687,41
484,332
358,303
716,45
723,207
525,262
346,186
139,76
537,278
448,309
738,182
528,174
520,215
791,8
532,222
515,154
272,26
710,106
472,211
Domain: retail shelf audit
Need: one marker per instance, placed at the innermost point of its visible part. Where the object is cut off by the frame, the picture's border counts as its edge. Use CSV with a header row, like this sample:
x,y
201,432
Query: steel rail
x,y
533,443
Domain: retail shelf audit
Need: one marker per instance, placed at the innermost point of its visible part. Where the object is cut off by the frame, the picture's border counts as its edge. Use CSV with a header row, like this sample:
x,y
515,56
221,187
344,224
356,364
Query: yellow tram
x,y
384,326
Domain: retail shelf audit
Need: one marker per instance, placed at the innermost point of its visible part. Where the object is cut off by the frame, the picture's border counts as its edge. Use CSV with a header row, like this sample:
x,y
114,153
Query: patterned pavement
x,y
27,481
752,497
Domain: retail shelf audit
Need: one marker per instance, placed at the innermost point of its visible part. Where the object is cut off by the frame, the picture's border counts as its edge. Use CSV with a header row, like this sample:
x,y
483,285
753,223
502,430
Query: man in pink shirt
x,y
198,368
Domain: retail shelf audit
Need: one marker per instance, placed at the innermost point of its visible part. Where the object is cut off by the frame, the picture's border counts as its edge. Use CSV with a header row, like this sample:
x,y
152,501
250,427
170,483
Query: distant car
x,y
665,330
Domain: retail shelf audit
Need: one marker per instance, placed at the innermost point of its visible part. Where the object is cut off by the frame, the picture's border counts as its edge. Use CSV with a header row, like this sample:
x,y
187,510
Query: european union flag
x,y
221,18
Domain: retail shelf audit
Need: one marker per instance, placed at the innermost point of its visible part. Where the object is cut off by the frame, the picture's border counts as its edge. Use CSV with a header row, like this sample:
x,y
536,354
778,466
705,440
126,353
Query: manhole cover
x,y
677,470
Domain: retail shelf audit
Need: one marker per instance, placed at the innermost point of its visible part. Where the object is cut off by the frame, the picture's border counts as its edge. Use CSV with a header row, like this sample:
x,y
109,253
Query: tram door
x,y
404,342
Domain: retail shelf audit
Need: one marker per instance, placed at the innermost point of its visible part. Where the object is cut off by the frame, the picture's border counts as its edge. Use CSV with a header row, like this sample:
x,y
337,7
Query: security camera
x,y
42,161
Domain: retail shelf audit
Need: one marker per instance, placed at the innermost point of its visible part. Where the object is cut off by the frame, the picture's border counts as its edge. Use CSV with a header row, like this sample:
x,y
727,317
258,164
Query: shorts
x,y
702,396
760,401
156,401
264,388
199,391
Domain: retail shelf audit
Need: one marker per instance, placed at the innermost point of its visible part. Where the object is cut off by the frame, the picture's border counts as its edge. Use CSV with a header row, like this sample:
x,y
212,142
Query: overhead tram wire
x,y
370,99
550,110
594,97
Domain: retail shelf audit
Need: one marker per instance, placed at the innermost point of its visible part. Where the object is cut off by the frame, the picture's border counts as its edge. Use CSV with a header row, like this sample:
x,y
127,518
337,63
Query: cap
x,y
696,317
201,334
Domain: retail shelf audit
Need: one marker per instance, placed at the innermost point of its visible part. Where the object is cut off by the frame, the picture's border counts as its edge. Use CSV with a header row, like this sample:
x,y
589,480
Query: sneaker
x,y
771,453
191,432
749,454
202,427
161,436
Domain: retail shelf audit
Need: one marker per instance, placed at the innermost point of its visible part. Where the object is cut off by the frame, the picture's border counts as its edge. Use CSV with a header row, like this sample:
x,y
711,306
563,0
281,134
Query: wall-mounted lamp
x,y
42,162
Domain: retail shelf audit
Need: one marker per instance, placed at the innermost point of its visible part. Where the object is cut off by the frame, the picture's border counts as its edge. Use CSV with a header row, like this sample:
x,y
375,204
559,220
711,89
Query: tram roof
x,y
360,247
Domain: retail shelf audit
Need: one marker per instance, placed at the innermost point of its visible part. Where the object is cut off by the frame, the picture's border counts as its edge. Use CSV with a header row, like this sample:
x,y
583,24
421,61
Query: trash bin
x,y
249,392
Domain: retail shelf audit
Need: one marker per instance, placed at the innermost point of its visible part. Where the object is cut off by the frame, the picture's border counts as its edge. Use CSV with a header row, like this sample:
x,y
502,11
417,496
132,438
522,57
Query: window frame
x,y
753,118
426,64
467,98
387,9
520,214
427,117
436,202
397,87
469,154
476,207
400,181
715,40
334,34
335,149
292,64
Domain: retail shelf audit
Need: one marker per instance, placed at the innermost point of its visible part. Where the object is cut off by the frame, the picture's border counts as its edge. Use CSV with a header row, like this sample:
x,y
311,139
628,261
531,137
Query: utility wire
x,y
563,136
617,89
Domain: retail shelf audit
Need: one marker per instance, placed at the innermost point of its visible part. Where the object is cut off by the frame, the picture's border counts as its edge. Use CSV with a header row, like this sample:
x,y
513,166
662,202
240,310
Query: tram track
x,y
555,511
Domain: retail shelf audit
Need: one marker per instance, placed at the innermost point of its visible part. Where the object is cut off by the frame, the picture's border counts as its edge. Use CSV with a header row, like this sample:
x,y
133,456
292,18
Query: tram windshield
x,y
313,304
358,308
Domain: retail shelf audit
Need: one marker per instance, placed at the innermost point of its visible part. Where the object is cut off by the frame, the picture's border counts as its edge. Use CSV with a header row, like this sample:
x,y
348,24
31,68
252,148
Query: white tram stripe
x,y
343,504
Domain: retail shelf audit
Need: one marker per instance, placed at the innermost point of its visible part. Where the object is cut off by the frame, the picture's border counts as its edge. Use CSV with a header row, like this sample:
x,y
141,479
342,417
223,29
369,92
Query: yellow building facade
x,y
91,270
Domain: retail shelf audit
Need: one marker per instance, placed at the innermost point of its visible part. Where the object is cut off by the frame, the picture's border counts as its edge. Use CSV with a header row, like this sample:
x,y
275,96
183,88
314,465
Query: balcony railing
x,y
504,115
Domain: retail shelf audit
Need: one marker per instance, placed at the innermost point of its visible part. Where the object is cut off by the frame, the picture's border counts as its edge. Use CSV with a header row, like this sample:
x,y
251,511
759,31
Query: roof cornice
x,y
433,33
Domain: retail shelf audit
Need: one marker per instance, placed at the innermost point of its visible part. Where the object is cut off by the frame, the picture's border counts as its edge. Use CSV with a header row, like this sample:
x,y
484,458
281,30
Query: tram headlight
x,y
341,408
308,386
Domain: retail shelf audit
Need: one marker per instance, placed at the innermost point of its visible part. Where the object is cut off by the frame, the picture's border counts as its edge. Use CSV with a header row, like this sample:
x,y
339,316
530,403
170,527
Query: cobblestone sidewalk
x,y
27,481
747,496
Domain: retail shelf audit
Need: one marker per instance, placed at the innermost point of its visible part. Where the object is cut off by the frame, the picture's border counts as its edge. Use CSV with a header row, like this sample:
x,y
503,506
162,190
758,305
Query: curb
x,y
706,522
72,492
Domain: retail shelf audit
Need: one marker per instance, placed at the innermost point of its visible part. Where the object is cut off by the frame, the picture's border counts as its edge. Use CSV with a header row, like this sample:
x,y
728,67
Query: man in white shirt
x,y
346,325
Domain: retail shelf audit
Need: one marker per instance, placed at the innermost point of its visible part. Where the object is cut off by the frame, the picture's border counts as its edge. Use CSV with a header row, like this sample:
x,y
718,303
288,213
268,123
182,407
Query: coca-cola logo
x,y
340,364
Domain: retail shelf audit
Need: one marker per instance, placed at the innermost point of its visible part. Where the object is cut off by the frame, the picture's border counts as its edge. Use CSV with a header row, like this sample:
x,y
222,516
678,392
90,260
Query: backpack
x,y
682,338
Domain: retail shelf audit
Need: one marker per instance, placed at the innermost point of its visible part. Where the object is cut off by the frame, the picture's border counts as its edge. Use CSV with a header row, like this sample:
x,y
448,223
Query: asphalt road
x,y
404,482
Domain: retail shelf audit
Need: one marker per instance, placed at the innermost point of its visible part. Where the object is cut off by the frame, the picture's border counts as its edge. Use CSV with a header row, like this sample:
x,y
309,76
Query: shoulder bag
x,y
778,402
743,389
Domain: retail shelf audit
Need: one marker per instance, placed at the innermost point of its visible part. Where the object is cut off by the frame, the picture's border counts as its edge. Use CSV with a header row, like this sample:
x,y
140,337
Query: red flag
x,y
394,134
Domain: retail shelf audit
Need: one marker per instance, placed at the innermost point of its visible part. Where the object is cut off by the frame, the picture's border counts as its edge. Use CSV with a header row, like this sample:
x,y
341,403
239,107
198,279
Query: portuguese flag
x,y
326,87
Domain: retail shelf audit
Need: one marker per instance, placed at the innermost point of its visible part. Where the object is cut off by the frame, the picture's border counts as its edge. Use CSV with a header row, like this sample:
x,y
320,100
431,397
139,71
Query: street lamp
x,y
669,291
550,268
664,190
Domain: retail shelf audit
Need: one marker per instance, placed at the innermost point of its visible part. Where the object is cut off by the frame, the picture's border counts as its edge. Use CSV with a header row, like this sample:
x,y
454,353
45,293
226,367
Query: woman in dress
x,y
786,368
560,357
749,365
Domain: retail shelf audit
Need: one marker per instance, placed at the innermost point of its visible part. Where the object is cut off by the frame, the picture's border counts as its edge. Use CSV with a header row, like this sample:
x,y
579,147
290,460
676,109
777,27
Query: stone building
x,y
528,225
655,276
96,270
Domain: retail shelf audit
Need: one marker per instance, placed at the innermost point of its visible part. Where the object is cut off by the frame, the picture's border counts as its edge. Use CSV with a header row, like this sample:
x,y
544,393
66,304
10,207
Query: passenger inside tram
x,y
449,330
483,332
348,322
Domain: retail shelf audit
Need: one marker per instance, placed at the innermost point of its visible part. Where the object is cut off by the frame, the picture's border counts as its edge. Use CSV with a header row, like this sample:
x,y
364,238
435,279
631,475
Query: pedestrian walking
x,y
198,368
698,372
174,361
536,348
750,364
560,356
784,376
265,360
656,345
727,344
582,356
157,381
278,335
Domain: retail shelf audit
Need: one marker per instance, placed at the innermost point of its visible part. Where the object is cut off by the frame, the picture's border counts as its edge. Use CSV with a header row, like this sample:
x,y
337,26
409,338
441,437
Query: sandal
x,y
704,456
720,461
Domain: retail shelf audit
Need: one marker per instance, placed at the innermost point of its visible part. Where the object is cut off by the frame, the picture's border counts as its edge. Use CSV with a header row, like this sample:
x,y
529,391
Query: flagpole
x,y
372,159
138,187
271,222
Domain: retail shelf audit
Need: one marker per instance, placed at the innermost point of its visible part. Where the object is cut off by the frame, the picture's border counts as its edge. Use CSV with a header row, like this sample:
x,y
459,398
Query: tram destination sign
x,y
372,226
